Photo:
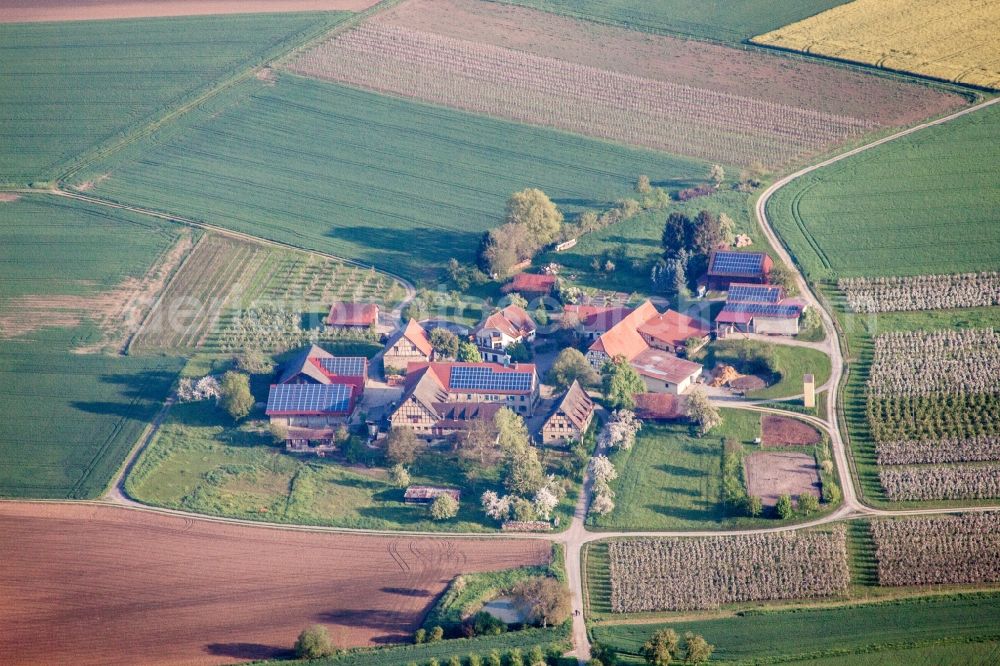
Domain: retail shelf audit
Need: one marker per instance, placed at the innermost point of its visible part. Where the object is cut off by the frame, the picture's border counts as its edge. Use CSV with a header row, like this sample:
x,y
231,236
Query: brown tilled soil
x,y
23,11
770,475
755,74
118,311
9,197
748,383
85,584
784,431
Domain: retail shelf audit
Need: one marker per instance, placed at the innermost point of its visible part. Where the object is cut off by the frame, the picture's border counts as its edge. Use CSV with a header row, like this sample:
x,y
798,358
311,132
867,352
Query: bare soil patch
x,y
785,431
128,587
748,383
9,197
754,74
24,11
770,475
118,312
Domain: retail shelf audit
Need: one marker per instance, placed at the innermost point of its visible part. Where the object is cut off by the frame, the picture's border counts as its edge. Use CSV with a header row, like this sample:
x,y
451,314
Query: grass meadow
x,y
396,184
714,20
920,205
69,419
71,86
671,479
958,629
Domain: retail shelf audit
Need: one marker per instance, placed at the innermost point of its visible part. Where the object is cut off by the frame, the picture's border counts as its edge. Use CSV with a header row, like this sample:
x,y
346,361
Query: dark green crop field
x,y
862,631
68,419
401,185
718,20
923,204
68,87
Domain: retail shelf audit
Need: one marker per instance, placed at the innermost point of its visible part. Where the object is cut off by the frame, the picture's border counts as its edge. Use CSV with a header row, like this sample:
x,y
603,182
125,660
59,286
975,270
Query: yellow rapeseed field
x,y
954,40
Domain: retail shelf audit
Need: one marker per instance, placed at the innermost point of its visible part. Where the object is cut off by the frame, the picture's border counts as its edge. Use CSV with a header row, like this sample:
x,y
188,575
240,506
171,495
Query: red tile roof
x,y
674,328
352,314
531,283
623,339
595,318
441,374
576,405
730,317
513,321
416,334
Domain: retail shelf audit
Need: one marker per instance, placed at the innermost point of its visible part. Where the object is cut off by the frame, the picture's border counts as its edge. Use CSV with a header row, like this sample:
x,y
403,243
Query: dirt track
x,y
87,584
23,11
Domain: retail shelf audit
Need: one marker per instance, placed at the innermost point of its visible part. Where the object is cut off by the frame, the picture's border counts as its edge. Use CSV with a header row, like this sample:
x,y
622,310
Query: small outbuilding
x,y
352,316
427,494
570,418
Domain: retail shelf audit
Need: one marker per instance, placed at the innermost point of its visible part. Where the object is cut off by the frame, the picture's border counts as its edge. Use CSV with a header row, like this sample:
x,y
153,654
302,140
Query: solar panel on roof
x,y
764,309
344,366
750,293
478,378
309,398
744,263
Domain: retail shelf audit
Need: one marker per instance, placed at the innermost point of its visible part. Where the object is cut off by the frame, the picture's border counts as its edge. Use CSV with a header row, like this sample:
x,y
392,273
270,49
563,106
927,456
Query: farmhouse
x,y
531,285
441,398
310,413
660,369
660,406
752,308
315,365
427,494
410,344
505,327
726,267
593,321
352,316
570,418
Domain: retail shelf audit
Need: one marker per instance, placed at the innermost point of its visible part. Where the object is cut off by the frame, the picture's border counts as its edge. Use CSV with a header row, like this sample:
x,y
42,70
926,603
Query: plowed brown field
x,y
87,584
24,11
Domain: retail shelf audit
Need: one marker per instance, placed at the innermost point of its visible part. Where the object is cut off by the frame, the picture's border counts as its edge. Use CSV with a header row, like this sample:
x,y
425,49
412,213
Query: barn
x,y
726,267
763,309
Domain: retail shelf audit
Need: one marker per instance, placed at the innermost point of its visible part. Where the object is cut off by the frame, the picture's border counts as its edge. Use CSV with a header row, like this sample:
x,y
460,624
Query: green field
x,y
200,462
793,363
69,419
671,479
393,183
920,205
716,20
69,87
959,628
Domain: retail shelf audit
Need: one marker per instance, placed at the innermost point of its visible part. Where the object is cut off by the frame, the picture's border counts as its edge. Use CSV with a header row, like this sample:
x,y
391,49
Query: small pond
x,y
503,609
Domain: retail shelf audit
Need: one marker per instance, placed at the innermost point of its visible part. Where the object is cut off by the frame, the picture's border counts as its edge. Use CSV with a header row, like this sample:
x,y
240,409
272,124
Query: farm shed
x,y
663,372
531,284
570,418
315,365
353,316
427,494
726,267
763,309
671,330
592,321
310,413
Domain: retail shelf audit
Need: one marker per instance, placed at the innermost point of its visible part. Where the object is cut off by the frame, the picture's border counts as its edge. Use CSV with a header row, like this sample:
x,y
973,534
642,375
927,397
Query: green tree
x,y
784,507
314,643
755,506
661,648
398,476
253,362
475,660
420,636
444,342
437,634
519,352
512,432
716,174
514,657
678,234
454,660
642,185
467,353
621,382
571,365
536,656
402,446
415,310
517,300
808,504
524,472
708,233
543,599
494,658
728,227
783,276
533,210
702,411
235,394
696,649
444,507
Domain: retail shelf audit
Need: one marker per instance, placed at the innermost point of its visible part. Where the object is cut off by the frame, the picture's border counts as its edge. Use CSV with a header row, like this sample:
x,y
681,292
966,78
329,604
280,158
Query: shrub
x,y
437,634
314,643
420,636
235,395
444,507
784,507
